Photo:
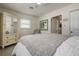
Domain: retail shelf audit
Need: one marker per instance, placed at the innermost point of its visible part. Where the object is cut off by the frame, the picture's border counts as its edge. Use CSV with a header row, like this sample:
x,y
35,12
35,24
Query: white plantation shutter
x,y
24,23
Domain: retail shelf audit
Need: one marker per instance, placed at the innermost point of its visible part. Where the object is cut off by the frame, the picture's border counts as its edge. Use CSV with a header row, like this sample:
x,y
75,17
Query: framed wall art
x,y
44,24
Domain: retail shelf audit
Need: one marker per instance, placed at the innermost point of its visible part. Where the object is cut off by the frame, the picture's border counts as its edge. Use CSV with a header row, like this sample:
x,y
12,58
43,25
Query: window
x,y
24,23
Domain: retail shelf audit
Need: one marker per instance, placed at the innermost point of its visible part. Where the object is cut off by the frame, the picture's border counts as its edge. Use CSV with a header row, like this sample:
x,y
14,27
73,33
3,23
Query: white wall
x,y
65,12
34,21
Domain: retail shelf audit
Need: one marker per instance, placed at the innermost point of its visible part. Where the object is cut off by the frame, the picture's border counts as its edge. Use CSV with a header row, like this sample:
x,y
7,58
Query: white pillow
x,y
20,50
69,48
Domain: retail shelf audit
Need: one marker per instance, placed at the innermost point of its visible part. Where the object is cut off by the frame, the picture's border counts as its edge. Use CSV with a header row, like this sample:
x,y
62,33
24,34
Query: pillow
x,y
20,50
70,47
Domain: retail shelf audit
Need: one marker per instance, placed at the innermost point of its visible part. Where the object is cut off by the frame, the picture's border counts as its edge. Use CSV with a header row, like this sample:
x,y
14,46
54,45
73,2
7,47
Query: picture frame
x,y
44,24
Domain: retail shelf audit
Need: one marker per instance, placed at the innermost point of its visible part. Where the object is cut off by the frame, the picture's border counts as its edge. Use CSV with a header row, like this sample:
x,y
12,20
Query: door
x,y
75,23
53,25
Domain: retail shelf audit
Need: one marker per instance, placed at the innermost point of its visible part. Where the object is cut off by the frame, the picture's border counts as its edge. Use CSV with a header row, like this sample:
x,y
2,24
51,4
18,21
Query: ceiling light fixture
x,y
35,6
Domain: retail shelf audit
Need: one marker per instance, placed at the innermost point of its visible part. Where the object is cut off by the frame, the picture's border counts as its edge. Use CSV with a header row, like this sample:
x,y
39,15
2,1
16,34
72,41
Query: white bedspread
x,y
42,44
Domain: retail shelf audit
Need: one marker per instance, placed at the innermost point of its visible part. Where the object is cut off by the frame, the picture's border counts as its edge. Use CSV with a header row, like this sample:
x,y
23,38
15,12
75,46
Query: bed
x,y
38,44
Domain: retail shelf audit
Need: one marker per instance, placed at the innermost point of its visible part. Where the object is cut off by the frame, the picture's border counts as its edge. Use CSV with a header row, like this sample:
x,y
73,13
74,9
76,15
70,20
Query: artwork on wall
x,y
44,24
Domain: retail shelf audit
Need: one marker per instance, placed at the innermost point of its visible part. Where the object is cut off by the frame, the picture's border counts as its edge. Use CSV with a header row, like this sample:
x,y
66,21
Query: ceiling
x,y
33,8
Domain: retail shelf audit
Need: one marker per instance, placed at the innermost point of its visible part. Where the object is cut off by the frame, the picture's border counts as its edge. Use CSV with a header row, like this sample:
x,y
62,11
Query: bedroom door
x,y
75,22
56,24
53,25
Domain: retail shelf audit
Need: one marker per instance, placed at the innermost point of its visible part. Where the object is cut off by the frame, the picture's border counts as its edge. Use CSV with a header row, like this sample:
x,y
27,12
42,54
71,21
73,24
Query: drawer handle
x,y
15,39
7,37
6,41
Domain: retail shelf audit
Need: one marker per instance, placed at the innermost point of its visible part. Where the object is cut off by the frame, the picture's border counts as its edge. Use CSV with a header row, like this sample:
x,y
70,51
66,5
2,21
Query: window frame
x,y
27,24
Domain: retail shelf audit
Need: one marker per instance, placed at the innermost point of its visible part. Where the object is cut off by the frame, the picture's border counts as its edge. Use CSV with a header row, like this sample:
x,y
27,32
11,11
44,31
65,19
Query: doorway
x,y
56,24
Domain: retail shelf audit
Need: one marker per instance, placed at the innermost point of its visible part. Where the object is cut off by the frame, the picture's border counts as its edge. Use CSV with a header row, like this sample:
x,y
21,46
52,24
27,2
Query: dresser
x,y
8,29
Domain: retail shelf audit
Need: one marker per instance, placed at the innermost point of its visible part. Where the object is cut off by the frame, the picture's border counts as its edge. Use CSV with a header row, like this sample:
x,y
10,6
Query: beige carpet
x,y
7,50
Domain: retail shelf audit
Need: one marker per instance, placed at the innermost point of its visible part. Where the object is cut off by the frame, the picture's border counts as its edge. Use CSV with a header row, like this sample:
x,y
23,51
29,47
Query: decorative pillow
x,y
20,50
